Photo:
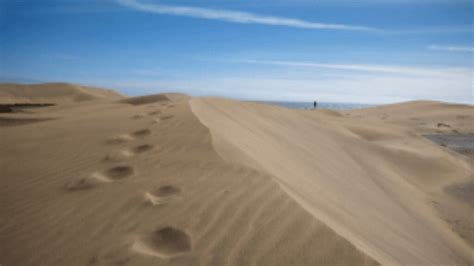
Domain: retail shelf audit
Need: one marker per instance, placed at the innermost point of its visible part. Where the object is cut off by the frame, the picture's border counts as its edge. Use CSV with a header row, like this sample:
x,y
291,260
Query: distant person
x,y
315,104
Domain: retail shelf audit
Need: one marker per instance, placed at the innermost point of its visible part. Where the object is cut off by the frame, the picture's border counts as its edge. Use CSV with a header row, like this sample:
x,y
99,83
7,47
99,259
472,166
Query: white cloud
x,y
251,18
400,70
236,16
451,48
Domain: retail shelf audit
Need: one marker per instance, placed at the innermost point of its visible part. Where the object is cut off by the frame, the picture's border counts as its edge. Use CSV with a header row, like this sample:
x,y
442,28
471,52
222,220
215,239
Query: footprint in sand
x,y
118,172
165,242
166,117
157,112
123,155
83,184
141,133
137,116
120,139
162,118
443,125
142,148
162,195
118,156
112,174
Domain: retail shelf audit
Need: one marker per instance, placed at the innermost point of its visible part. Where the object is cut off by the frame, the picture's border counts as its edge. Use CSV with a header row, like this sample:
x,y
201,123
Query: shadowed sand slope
x,y
52,93
155,98
371,181
108,183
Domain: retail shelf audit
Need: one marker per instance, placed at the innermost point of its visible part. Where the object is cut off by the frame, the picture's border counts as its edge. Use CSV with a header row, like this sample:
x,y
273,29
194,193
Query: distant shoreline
x,y
323,105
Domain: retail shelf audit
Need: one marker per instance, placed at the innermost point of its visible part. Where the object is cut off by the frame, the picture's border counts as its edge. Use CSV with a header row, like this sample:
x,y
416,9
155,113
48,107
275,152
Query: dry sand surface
x,y
101,179
53,93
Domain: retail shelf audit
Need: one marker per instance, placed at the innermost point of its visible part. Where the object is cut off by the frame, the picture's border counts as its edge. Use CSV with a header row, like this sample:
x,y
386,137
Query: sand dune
x,y
173,180
423,116
372,187
52,93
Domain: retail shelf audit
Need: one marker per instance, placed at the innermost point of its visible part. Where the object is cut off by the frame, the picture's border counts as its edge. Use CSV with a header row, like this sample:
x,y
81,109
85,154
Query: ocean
x,y
323,105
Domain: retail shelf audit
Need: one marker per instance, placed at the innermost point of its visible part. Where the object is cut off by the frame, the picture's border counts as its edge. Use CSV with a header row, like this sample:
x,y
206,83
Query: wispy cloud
x,y
236,16
386,69
451,48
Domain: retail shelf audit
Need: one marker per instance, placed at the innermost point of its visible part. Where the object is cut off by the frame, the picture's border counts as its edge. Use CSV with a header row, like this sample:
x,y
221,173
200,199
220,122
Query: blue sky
x,y
368,51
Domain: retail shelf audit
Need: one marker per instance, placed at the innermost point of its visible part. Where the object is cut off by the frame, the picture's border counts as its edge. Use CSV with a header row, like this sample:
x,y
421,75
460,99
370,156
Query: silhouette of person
x,y
315,104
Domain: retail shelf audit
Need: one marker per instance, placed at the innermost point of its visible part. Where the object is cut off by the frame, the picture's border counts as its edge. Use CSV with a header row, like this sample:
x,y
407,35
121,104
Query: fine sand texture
x,y
52,93
173,180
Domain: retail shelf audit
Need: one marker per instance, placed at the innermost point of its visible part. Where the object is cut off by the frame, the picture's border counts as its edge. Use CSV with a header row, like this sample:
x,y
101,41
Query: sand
x,y
53,93
173,180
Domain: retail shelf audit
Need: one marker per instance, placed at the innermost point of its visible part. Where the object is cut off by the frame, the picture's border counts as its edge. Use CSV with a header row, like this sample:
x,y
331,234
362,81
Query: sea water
x,y
323,105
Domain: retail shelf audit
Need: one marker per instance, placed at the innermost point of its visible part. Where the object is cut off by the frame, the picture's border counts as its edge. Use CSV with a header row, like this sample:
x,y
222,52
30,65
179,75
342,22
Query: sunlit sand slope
x,y
371,181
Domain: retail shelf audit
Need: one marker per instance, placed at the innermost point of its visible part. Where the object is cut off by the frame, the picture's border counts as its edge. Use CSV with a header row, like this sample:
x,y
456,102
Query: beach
x,y
99,178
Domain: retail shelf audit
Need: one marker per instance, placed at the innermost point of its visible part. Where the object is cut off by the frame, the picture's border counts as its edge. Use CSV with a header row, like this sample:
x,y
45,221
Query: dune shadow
x,y
463,191
12,122
146,99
